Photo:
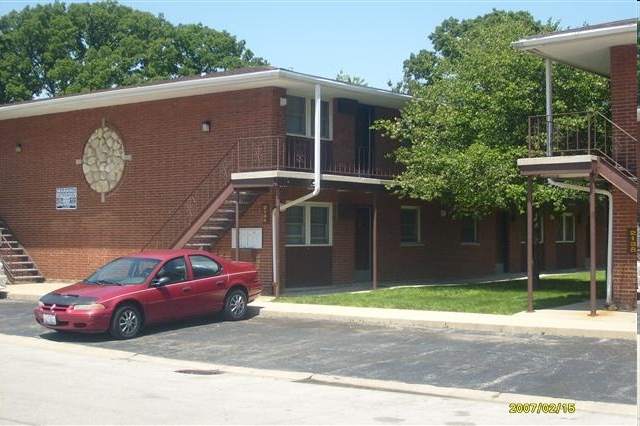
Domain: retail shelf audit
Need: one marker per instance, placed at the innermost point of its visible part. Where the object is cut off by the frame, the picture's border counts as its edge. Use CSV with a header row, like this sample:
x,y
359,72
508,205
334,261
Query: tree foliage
x,y
52,49
461,135
347,78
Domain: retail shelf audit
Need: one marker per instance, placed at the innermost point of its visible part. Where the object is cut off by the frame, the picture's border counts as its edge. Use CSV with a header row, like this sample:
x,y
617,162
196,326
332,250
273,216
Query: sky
x,y
367,39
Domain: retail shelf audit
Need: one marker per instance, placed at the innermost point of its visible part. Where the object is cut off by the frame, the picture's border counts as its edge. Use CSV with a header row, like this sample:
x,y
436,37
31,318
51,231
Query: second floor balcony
x,y
577,145
292,153
583,133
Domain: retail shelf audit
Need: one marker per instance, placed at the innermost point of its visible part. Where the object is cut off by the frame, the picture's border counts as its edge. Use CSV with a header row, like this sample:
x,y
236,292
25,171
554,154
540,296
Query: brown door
x,y
363,244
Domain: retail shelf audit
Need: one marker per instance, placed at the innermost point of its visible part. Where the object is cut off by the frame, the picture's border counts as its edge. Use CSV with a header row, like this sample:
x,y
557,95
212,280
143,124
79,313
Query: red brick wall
x,y
170,156
624,114
624,262
624,100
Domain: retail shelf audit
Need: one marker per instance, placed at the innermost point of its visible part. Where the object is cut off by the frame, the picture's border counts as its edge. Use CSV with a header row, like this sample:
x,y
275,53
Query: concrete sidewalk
x,y
572,320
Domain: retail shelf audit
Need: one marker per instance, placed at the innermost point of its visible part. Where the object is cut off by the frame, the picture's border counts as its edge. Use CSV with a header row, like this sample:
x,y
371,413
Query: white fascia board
x,y
194,87
578,34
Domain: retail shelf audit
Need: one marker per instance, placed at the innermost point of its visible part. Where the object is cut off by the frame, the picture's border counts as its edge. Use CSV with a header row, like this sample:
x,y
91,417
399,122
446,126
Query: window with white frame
x,y
300,117
566,227
309,224
469,230
409,225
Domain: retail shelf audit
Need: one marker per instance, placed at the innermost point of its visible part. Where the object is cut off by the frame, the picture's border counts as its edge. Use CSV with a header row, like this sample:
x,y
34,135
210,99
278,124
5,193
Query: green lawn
x,y
504,297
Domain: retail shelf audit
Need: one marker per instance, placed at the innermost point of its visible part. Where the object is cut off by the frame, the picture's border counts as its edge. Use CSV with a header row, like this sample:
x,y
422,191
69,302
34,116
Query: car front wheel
x,y
235,306
126,322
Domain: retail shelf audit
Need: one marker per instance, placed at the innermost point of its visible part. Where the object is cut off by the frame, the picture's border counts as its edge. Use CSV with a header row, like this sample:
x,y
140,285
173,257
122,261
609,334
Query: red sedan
x,y
148,288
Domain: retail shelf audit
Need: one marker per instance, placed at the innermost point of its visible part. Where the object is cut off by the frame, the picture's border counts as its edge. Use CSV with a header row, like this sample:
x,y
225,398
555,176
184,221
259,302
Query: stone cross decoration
x,y
103,160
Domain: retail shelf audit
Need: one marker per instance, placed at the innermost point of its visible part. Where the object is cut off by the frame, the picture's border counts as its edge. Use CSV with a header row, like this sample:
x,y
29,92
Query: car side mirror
x,y
159,282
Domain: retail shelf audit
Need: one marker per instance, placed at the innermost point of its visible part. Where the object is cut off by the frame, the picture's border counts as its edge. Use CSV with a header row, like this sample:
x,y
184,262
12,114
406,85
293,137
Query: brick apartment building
x,y
591,148
210,161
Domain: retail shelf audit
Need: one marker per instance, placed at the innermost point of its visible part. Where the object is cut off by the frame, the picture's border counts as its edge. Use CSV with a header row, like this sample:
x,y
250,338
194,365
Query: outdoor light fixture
x,y
18,147
206,126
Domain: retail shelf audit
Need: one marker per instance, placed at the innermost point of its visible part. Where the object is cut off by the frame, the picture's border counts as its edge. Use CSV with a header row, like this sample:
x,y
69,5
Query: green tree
x,y
460,136
346,78
52,49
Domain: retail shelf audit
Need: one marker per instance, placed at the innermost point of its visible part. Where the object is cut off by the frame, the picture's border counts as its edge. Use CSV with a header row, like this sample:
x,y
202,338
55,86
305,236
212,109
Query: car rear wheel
x,y
235,306
126,322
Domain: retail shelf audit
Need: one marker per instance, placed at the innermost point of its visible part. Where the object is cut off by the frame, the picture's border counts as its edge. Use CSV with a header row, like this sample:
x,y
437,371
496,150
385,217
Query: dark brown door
x,y
364,141
363,244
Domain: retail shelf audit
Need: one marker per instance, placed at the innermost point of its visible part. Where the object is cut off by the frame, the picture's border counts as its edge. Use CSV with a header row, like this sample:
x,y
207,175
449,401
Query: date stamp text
x,y
542,408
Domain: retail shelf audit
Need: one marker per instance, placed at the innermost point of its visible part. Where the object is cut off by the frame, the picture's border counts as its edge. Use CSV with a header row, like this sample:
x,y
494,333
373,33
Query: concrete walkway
x,y
572,320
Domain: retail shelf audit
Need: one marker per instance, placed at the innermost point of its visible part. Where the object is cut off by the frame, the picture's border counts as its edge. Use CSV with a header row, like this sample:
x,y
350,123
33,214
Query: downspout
x,y
549,104
280,207
609,230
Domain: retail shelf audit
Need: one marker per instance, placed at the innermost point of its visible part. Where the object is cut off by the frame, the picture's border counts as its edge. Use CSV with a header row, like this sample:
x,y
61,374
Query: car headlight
x,y
91,307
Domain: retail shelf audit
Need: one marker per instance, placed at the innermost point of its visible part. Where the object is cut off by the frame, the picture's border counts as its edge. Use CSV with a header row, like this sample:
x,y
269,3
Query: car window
x,y
204,266
123,271
174,269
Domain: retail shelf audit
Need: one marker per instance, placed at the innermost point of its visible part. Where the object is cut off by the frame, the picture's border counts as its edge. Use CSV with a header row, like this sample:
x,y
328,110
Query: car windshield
x,y
124,271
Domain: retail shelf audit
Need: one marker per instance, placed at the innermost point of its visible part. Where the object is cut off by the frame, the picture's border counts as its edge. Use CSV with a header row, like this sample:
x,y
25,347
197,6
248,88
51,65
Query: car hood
x,y
81,293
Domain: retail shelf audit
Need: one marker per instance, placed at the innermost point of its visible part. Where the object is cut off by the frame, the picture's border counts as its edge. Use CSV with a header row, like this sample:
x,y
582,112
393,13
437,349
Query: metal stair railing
x,y
10,265
209,188
584,133
248,154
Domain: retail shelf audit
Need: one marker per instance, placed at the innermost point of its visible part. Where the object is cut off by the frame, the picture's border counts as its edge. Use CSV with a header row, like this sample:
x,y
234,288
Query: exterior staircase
x,y
222,220
568,142
17,263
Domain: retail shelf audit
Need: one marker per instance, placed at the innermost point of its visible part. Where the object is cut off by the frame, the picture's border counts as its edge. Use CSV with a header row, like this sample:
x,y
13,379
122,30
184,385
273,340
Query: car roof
x,y
166,254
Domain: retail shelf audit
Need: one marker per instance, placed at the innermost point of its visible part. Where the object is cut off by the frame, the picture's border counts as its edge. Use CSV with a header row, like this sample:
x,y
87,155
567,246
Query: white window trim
x,y
564,228
308,102
418,226
307,225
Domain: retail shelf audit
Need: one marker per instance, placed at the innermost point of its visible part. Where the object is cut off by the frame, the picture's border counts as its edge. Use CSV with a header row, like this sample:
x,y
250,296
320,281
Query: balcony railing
x,y
582,133
297,154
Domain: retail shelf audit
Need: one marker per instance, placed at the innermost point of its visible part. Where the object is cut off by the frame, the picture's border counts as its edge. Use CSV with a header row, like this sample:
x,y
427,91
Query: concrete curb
x,y
307,377
572,321
547,323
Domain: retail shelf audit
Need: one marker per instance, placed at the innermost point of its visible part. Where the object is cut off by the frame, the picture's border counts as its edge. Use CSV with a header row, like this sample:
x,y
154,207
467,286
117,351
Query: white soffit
x,y
585,48
301,84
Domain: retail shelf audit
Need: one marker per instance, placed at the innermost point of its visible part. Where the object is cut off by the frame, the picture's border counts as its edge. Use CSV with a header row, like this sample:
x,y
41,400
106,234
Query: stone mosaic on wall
x,y
103,160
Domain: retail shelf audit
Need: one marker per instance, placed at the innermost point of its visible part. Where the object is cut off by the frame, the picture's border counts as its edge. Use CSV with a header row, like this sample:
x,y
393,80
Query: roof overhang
x,y
585,48
565,167
296,83
268,178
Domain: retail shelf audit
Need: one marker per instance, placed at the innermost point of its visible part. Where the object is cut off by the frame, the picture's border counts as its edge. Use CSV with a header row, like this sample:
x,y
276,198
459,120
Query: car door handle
x,y
220,283
186,289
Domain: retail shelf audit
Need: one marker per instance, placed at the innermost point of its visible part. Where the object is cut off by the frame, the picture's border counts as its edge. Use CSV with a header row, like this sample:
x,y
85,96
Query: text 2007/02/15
x,y
542,408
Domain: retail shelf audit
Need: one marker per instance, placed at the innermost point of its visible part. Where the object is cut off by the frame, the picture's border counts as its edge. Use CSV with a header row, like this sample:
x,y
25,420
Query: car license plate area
x,y
49,319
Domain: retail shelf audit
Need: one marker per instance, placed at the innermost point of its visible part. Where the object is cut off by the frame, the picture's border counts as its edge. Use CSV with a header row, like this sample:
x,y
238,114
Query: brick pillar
x,y
624,103
624,262
625,210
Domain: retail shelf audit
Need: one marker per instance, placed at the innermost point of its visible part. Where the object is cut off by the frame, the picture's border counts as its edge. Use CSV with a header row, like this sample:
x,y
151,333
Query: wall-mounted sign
x,y
67,198
250,238
633,240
